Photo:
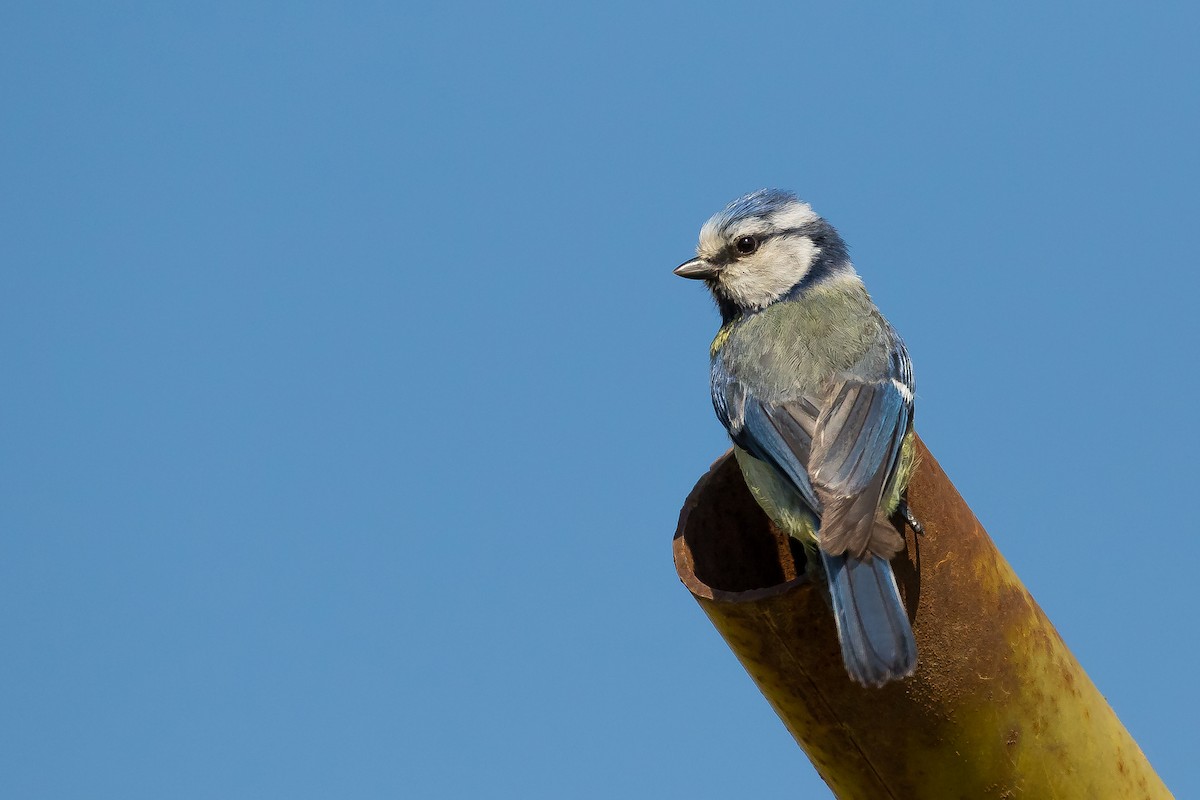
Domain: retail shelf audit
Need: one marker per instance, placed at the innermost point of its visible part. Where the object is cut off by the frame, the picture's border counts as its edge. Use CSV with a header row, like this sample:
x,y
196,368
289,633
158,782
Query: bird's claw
x,y
912,521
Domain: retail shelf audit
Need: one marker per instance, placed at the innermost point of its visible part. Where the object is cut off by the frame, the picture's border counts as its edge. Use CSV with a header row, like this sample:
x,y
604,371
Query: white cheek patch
x,y
757,281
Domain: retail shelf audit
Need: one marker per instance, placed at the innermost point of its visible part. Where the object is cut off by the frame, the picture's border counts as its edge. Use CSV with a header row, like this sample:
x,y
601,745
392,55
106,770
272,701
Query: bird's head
x,y
763,247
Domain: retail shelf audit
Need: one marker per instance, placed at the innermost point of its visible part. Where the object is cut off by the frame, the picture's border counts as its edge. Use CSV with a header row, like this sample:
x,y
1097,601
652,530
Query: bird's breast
x,y
797,347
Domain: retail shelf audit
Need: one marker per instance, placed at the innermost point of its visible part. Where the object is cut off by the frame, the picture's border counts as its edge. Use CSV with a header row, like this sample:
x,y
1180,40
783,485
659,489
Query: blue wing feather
x,y
778,439
856,447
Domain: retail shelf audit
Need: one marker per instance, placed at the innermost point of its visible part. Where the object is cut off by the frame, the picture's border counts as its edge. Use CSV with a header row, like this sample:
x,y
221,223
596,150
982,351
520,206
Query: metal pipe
x,y
998,706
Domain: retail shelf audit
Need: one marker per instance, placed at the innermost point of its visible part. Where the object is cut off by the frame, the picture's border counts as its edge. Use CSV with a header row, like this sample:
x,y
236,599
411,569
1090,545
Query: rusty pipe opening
x,y
727,541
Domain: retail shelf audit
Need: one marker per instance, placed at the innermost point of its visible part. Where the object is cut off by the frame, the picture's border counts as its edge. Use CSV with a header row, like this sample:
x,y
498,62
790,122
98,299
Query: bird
x,y
815,389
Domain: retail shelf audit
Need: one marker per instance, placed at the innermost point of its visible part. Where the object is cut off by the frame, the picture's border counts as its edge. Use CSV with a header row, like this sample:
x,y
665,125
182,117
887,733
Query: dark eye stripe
x,y
760,238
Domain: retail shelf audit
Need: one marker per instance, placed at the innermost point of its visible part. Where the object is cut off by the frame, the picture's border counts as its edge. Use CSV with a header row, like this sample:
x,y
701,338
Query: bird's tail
x,y
877,641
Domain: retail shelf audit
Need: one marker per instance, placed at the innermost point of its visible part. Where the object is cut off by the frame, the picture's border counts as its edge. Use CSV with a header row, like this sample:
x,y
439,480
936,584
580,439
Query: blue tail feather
x,y
877,640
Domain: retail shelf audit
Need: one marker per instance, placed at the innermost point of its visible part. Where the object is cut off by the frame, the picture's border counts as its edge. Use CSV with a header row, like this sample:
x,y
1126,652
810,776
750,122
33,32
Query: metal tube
x,y
998,707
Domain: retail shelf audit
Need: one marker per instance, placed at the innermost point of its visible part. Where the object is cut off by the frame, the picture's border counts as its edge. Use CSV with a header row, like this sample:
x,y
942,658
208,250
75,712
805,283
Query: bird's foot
x,y
912,521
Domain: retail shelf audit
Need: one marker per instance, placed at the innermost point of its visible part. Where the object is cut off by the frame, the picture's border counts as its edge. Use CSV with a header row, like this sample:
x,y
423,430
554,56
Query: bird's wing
x,y
779,434
855,449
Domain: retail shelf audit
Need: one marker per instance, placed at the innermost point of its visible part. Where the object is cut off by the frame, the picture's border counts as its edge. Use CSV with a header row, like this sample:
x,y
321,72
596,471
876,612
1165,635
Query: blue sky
x,y
350,400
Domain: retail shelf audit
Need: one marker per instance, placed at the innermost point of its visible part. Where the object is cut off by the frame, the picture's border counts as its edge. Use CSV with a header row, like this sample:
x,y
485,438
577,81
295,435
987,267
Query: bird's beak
x,y
697,269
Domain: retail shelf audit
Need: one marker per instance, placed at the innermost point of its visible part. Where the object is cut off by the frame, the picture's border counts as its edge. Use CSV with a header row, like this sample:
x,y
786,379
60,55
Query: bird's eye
x,y
746,245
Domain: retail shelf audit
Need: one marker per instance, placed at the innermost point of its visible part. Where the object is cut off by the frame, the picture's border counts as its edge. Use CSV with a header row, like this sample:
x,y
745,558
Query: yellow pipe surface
x,y
998,707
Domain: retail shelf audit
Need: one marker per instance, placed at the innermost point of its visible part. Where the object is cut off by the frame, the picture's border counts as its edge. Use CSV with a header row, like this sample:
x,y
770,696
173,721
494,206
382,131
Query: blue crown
x,y
756,204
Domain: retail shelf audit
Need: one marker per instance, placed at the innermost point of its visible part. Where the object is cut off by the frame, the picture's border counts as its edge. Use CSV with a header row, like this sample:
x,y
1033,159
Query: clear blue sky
x,y
349,399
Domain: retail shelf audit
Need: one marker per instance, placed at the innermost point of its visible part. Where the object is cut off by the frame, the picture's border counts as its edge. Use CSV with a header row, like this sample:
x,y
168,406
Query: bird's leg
x,y
912,521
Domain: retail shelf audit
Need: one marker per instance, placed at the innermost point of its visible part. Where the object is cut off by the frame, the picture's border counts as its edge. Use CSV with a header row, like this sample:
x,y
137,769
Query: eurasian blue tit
x,y
816,391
